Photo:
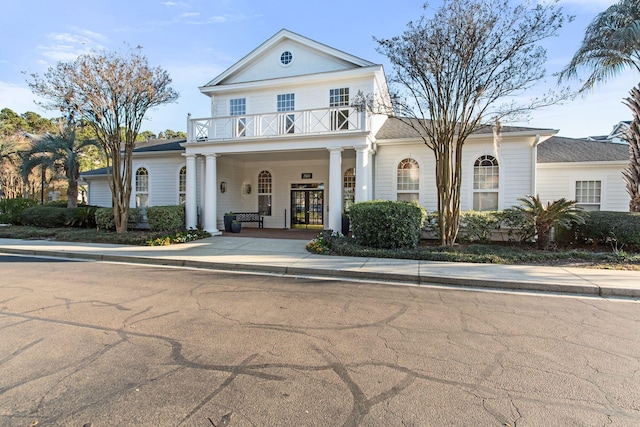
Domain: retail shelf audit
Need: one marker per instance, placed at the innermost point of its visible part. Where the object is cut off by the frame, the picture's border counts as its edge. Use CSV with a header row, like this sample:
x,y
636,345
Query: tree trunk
x,y
448,174
72,187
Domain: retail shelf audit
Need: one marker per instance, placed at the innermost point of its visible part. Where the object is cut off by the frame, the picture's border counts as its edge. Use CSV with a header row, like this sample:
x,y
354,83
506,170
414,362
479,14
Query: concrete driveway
x,y
98,344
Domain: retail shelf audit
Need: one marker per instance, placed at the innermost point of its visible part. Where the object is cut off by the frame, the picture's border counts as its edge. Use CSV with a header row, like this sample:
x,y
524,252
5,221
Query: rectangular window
x,y
408,197
485,201
287,102
238,107
264,204
588,195
339,116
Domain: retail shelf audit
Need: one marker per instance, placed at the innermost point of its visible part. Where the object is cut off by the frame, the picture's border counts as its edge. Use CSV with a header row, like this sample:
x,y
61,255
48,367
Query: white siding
x,y
307,97
99,193
558,180
163,178
514,158
305,61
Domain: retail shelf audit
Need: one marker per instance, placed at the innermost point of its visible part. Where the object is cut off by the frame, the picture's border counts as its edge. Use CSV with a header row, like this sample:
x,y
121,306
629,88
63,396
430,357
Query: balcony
x,y
284,124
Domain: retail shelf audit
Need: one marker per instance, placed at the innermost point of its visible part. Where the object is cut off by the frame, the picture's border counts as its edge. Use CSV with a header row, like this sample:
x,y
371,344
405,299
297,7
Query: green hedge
x,y
46,216
601,227
105,221
478,226
166,218
55,215
387,224
11,210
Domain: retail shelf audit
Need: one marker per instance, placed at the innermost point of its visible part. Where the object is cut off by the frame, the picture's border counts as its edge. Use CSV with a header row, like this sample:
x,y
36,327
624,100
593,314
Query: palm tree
x,y
61,151
560,213
611,44
632,173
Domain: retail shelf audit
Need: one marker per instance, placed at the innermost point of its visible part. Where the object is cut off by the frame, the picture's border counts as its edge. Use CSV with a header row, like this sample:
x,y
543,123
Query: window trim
x,y
497,190
347,180
262,193
589,204
240,122
339,98
182,179
286,102
139,191
408,191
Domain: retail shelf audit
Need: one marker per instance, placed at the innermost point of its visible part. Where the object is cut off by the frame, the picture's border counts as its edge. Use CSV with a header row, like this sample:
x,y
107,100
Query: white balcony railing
x,y
321,121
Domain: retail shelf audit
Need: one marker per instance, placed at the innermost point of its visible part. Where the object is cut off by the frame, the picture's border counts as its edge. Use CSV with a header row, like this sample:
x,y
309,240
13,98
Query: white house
x,y
284,140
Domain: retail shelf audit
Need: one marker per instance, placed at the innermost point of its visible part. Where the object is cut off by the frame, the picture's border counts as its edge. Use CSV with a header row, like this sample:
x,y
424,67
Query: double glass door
x,y
307,207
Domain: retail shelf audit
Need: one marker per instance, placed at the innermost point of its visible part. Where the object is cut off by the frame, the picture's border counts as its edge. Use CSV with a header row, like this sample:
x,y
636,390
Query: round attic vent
x,y
286,57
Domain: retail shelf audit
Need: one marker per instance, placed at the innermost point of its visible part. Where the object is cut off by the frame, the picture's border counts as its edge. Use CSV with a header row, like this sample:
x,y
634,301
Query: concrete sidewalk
x,y
289,257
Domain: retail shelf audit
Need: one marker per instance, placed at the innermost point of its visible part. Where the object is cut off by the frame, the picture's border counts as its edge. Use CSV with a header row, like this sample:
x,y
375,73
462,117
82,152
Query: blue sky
x,y
195,40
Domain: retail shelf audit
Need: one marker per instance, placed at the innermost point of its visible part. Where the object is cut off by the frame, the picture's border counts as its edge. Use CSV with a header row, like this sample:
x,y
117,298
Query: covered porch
x,y
291,189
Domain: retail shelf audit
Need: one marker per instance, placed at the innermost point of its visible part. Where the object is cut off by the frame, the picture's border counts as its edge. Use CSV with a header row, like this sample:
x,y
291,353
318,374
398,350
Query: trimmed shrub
x,y
166,218
478,226
601,227
520,229
105,221
45,216
387,224
11,210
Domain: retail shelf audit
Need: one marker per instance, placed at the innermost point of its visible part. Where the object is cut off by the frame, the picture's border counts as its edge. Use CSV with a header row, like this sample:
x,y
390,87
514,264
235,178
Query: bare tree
x,y
462,69
111,92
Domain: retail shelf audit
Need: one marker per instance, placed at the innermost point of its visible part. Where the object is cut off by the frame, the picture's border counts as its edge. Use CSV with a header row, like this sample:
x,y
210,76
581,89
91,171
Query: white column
x,y
335,189
191,204
363,174
211,196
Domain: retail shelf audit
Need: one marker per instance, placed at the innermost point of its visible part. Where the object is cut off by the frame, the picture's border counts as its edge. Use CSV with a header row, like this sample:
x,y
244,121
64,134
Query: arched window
x,y
349,188
264,193
182,186
408,187
486,179
142,188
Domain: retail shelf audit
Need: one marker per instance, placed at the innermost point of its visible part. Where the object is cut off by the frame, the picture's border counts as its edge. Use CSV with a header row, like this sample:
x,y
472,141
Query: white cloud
x,y
189,14
68,46
226,18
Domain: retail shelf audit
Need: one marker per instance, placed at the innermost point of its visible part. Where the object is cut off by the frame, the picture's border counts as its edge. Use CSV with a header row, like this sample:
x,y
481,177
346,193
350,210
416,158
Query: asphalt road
x,y
98,344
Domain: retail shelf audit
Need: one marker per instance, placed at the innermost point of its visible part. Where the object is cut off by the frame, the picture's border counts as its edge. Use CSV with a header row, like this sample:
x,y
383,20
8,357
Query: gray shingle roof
x,y
559,149
96,172
159,145
394,128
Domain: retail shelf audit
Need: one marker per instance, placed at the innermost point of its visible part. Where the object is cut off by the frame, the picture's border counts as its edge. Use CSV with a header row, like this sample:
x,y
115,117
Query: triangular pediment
x,y
287,54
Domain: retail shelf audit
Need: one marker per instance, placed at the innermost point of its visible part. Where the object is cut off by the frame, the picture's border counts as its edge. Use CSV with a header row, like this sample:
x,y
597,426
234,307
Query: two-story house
x,y
285,138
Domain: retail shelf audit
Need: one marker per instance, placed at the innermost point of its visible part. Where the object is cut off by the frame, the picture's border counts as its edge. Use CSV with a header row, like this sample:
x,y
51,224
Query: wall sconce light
x,y
223,187
247,189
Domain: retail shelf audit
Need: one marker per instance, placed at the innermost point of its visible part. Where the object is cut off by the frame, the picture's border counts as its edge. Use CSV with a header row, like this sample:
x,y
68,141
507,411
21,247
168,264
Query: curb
x,y
426,280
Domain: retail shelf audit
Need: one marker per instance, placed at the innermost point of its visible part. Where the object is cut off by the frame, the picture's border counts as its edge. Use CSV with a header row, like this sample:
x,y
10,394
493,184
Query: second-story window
x,y
287,102
339,116
238,107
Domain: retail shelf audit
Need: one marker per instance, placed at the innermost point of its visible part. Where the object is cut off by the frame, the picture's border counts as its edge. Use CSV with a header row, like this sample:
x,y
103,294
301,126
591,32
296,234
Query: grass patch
x,y
85,235
494,253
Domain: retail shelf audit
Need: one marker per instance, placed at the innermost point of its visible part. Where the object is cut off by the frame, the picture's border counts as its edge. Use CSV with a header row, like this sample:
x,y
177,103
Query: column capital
x,y
190,155
363,150
335,149
210,155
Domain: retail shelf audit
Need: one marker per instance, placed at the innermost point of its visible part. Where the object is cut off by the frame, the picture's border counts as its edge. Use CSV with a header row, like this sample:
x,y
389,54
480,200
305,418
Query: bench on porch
x,y
250,217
